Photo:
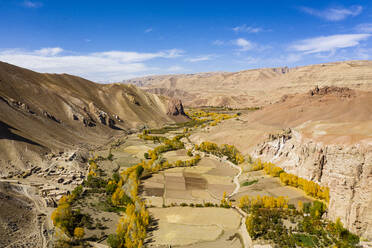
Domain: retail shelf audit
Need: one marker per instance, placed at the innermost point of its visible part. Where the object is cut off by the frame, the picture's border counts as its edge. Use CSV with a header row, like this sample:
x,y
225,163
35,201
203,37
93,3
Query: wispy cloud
x,y
243,44
130,57
364,28
218,43
247,29
200,58
334,14
32,4
329,43
100,66
49,51
148,30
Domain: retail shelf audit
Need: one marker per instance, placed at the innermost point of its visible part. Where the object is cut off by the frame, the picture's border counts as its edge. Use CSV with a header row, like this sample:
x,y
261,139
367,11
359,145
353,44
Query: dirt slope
x,y
40,113
257,87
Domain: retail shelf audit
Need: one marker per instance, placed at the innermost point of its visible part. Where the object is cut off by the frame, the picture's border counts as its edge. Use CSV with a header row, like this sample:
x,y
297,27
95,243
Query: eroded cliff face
x,y
346,170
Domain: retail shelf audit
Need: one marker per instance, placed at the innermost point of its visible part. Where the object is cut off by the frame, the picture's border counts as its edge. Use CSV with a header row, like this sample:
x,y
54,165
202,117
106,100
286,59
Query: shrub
x,y
113,241
146,155
110,156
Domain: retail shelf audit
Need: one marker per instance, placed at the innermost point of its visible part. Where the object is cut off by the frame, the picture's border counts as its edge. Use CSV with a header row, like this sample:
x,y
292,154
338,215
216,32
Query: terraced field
x,y
205,182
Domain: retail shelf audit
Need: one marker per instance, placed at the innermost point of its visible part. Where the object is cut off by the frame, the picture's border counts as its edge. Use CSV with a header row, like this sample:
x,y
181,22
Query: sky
x,y
109,41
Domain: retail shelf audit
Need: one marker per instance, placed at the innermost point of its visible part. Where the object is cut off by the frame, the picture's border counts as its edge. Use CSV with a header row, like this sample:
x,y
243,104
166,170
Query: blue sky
x,y
108,41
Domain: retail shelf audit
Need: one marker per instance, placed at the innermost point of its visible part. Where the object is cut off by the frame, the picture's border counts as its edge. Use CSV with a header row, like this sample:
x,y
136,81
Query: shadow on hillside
x,y
6,133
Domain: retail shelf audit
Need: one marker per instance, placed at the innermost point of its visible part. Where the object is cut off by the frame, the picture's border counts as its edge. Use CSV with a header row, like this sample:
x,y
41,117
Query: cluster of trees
x,y
250,202
257,165
310,230
192,162
230,151
267,224
203,114
342,236
154,138
131,229
94,181
272,170
311,188
67,219
212,117
198,205
154,161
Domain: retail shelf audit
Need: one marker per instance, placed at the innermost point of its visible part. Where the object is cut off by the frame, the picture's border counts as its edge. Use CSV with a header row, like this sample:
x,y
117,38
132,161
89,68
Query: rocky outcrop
x,y
332,90
50,116
346,170
175,107
101,115
132,99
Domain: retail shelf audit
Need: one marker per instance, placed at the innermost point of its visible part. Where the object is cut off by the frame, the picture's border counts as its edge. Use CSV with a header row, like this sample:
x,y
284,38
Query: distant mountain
x,y
256,87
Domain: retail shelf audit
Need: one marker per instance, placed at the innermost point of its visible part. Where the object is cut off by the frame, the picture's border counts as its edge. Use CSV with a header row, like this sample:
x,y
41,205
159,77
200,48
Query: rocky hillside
x,y
257,87
346,170
51,113
328,140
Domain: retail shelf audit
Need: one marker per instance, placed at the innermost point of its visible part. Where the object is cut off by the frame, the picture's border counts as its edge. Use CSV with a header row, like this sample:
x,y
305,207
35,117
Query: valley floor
x,y
189,206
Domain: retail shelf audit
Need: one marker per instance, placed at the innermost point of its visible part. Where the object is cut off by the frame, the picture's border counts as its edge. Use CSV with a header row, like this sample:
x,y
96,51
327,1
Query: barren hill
x,y
258,87
42,113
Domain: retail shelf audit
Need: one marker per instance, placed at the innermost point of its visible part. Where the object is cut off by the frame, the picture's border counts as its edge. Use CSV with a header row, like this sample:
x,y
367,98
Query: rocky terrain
x,y
175,110
257,87
44,114
346,170
327,139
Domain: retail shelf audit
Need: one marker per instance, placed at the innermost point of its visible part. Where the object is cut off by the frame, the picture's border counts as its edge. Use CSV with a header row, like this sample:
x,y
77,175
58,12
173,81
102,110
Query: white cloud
x,y
148,30
334,14
100,66
247,29
364,28
244,44
130,57
200,58
49,51
218,43
31,4
329,43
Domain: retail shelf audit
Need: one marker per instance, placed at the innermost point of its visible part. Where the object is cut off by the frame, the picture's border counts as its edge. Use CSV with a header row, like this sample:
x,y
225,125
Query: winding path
x,y
247,241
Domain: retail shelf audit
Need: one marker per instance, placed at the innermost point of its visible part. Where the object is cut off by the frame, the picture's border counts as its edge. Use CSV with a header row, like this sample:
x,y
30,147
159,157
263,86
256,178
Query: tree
x,y
79,232
300,206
